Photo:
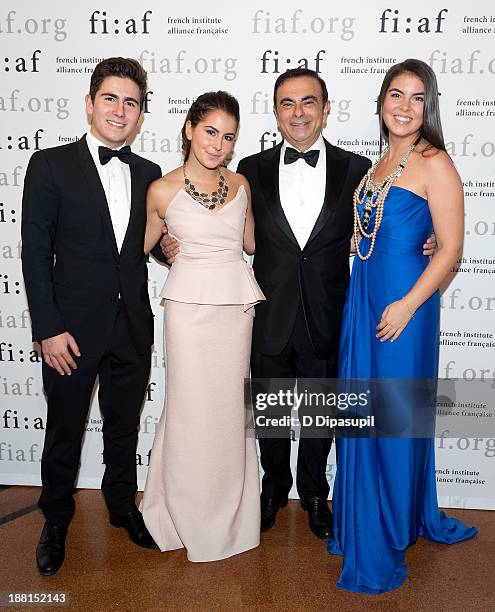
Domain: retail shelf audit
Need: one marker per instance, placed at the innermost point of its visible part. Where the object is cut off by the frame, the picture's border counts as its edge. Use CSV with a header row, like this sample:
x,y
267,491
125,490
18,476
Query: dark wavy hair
x,y
123,67
211,100
431,129
295,73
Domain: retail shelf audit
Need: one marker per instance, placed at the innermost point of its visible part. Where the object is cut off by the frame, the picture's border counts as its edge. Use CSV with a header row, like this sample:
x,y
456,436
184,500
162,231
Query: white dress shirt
x,y
115,178
302,191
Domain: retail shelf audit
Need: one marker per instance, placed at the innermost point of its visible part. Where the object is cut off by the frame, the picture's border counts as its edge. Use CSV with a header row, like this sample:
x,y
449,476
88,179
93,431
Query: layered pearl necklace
x,y
373,196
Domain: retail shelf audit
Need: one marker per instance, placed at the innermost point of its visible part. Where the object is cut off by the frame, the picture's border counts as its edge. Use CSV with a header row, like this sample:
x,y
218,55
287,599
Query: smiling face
x,y
115,112
300,112
212,139
403,106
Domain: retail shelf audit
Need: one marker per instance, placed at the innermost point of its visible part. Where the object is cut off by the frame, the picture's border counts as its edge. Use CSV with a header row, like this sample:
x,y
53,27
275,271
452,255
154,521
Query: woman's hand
x,y
395,317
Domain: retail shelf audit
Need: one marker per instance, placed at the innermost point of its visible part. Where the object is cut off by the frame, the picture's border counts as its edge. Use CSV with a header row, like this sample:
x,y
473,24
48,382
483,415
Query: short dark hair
x,y
431,129
295,73
123,67
211,100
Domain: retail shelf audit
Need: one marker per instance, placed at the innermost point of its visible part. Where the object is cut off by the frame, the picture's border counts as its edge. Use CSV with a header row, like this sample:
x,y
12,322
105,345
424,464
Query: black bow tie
x,y
105,154
310,157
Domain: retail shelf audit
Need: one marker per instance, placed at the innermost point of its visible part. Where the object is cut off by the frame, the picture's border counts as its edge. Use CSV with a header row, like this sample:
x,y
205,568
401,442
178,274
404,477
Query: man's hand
x,y
430,246
56,353
169,246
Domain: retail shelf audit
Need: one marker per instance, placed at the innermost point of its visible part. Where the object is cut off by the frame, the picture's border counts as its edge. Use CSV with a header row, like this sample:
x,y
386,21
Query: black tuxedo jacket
x,y
318,275
65,214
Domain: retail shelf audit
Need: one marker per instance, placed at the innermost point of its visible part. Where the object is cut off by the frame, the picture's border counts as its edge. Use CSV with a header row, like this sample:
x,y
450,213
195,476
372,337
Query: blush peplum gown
x,y
202,489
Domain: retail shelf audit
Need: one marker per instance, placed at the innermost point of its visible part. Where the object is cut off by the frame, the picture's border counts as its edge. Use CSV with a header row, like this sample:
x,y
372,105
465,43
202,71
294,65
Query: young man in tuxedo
x,y
83,224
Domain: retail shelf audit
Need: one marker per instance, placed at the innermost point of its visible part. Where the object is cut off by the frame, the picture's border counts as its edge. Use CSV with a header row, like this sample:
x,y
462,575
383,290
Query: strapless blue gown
x,y
385,495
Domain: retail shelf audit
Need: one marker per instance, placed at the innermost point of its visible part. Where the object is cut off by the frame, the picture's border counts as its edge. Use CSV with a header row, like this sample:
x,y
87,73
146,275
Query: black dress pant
x,y
297,360
123,377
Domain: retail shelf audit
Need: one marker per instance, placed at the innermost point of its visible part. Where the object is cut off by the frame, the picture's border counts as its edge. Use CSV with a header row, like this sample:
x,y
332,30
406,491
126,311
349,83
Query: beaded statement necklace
x,y
373,196
212,200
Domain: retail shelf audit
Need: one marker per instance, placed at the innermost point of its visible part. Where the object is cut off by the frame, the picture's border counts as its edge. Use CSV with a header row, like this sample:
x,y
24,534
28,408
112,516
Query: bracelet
x,y
408,307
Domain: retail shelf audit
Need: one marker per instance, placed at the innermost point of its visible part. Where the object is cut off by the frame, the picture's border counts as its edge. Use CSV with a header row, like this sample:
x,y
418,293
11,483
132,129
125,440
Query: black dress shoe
x,y
133,523
50,552
320,517
269,509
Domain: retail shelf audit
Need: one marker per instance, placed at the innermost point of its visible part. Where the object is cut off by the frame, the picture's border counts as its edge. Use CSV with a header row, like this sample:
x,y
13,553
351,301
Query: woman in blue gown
x,y
385,495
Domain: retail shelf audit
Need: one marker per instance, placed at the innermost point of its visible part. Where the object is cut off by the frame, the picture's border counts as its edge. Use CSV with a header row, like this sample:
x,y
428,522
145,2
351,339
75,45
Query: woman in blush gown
x,y
202,489
385,489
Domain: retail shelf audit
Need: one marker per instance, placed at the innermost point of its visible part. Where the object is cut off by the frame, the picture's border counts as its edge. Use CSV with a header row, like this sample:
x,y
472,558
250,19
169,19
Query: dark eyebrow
x,y
217,130
310,97
126,99
421,93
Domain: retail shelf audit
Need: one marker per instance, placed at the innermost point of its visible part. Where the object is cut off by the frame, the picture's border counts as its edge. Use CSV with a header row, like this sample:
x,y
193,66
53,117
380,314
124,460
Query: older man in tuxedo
x,y
302,202
83,223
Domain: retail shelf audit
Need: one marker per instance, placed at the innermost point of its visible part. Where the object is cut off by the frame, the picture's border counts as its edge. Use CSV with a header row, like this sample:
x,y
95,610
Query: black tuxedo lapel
x,y
269,179
96,188
135,202
337,168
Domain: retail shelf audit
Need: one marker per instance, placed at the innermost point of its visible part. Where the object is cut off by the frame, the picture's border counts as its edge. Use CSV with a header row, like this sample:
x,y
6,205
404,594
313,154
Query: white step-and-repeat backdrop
x,y
48,51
